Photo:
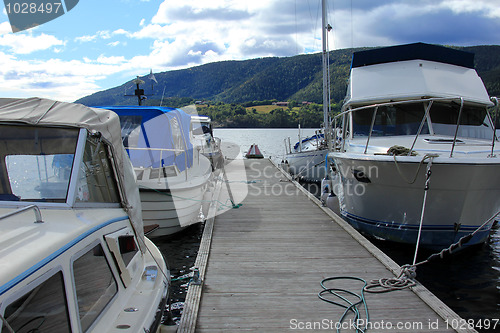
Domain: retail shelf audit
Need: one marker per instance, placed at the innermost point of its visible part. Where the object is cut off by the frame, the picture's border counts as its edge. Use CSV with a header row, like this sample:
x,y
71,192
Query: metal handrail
x,y
458,125
161,150
38,214
157,149
427,110
371,128
497,107
430,100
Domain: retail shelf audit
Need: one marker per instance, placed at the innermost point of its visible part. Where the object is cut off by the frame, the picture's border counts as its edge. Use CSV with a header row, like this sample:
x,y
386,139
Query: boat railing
x,y
38,214
497,109
161,150
375,108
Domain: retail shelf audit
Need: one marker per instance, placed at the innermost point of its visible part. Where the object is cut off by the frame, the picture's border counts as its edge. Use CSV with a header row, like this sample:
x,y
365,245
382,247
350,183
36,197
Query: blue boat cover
x,y
155,127
314,137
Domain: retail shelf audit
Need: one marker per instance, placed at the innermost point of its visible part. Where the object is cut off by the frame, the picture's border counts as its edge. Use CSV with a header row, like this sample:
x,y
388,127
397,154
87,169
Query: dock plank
x,y
267,258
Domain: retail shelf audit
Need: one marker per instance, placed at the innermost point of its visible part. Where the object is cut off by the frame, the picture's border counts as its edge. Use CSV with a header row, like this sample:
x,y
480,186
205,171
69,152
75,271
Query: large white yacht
x,y
418,160
73,256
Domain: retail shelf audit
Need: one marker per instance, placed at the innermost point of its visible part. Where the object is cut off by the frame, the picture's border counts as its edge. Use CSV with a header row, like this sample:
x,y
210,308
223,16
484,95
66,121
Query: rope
x,y
426,156
348,305
405,279
409,272
426,190
401,151
458,244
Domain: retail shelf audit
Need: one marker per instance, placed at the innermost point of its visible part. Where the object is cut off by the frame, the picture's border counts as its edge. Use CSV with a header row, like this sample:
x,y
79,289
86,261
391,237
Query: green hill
x,y
297,78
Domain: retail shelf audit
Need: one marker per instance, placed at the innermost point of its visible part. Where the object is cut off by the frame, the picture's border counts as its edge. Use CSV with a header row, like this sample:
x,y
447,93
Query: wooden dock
x,y
261,266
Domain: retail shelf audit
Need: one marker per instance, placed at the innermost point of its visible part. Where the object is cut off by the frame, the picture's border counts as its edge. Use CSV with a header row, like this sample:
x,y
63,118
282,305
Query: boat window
x,y
124,249
95,285
36,162
397,119
96,181
42,309
177,135
447,113
131,128
128,248
473,121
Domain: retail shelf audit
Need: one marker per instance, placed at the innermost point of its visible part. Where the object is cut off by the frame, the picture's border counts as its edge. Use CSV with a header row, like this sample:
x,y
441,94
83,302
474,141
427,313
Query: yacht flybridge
x,y
73,256
418,160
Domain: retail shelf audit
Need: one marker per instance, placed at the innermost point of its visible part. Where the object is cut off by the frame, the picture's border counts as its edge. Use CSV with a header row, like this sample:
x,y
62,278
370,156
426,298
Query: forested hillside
x,y
227,84
291,78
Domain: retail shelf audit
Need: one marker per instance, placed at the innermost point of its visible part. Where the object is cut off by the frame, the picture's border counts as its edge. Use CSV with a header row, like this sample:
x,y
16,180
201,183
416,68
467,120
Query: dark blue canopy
x,y
413,51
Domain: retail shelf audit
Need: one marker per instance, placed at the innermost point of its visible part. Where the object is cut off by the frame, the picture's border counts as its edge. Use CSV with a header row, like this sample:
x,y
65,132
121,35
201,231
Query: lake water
x,y
468,282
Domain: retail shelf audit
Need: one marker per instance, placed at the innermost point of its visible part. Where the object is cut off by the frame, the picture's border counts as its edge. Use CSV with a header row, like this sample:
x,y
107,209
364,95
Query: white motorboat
x,y
306,159
171,172
417,162
73,255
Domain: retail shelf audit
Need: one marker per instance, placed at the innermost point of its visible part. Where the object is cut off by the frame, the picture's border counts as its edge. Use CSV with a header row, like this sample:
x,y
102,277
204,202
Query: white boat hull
x,y
382,203
307,165
171,211
174,203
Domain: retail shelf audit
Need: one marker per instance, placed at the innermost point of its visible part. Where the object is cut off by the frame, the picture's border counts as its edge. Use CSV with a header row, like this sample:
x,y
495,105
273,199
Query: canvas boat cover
x,y
413,71
45,112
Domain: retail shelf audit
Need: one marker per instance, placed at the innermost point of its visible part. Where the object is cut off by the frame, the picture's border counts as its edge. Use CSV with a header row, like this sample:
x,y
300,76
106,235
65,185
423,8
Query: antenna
x,y
141,96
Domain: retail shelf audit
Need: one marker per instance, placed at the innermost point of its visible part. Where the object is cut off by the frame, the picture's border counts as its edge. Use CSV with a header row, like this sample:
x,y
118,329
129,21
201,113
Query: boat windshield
x,y
405,119
36,162
397,119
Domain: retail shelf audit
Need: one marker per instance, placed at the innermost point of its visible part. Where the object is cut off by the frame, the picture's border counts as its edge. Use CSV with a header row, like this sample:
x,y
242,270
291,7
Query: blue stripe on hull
x,y
434,237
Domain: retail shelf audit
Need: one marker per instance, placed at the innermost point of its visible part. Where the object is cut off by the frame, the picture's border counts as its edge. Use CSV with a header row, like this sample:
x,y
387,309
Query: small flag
x,y
152,76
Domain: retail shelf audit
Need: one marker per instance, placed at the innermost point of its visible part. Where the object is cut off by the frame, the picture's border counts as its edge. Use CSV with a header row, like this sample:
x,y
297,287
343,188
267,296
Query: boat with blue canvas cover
x,y
73,254
418,162
172,173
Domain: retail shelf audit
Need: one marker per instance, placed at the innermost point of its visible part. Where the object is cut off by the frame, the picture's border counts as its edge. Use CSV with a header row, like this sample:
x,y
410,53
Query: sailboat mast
x,y
326,102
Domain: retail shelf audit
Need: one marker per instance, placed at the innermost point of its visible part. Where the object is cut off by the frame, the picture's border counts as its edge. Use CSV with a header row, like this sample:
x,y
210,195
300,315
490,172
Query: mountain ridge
x,y
297,78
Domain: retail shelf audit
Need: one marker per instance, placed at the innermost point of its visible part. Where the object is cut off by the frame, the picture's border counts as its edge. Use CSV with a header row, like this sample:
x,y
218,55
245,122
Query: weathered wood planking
x,y
267,258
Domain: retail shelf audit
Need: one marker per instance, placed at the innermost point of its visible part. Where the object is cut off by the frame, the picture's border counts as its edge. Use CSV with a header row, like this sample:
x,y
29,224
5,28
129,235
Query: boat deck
x,y
261,266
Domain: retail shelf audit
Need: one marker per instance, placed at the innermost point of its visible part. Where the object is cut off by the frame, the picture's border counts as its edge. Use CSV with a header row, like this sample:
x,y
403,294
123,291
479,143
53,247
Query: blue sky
x,y
102,44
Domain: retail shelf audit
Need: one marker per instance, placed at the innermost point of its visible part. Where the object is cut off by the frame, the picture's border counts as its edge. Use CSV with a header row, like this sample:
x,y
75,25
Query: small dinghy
x,y
254,152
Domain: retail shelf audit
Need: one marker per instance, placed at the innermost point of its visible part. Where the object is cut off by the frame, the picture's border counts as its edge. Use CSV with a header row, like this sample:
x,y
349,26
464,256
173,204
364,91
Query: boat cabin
x,y
73,256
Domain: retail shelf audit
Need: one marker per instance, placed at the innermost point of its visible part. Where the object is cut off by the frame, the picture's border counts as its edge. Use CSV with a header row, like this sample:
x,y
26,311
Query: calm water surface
x,y
469,282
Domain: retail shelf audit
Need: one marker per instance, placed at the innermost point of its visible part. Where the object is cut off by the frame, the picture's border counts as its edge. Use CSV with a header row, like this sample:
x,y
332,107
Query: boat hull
x,y
174,202
377,198
172,211
307,165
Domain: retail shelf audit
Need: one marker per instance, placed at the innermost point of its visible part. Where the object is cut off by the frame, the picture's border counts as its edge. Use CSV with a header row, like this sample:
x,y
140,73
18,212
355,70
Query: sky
x,y
100,44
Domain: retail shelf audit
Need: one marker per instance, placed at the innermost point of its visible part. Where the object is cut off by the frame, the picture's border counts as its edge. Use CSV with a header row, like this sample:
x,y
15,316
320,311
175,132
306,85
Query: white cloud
x,y
27,43
193,32
488,8
92,38
5,28
85,39
114,60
